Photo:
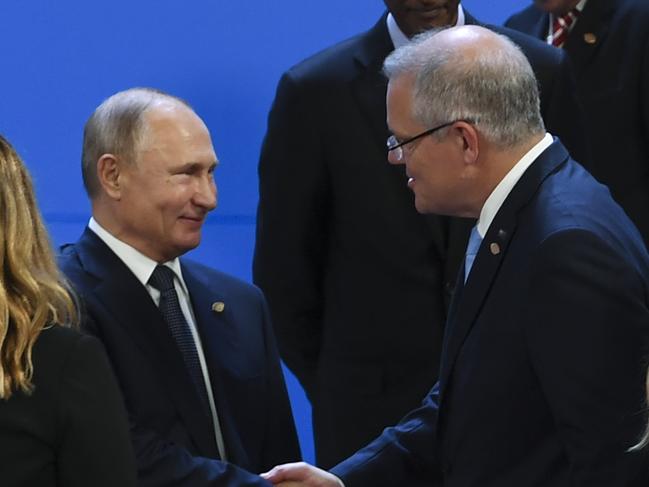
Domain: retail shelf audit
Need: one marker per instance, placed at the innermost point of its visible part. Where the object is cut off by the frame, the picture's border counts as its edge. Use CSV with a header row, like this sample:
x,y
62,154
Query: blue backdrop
x,y
61,59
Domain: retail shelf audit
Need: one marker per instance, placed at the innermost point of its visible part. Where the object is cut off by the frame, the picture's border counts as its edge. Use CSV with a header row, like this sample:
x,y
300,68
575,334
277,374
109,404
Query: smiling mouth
x,y
197,219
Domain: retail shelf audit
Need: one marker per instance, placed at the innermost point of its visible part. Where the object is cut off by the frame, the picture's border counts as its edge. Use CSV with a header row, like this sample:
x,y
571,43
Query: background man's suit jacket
x,y
172,435
357,281
72,430
542,375
609,48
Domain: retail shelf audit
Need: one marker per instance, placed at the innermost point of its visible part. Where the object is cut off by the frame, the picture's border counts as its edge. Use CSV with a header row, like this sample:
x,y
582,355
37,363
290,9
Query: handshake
x,y
301,475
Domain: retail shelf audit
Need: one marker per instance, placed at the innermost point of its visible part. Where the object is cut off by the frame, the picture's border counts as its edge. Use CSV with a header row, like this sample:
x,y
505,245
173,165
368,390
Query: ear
x,y
470,141
109,172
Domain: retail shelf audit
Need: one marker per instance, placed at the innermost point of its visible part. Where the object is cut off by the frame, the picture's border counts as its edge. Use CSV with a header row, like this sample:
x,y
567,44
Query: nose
x,y
206,194
395,157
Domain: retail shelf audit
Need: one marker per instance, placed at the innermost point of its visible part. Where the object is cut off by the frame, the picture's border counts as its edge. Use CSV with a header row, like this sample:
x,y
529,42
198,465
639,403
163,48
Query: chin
x,y
424,208
186,245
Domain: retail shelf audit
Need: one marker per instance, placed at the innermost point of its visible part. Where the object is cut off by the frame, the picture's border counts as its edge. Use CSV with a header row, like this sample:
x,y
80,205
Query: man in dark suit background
x,y
608,44
542,373
356,280
192,348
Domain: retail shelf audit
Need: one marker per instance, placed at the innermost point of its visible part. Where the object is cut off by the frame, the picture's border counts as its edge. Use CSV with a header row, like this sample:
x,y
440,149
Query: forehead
x,y
399,104
173,127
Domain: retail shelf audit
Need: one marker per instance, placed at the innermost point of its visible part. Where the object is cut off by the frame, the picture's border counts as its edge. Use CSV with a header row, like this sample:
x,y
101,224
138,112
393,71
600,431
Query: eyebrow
x,y
195,165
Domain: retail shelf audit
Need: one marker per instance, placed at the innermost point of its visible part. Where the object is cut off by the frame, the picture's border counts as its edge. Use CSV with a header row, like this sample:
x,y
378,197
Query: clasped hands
x,y
301,474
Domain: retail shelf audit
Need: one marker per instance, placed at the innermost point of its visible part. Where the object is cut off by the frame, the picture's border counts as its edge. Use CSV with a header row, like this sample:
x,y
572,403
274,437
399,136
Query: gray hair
x,y
495,89
117,127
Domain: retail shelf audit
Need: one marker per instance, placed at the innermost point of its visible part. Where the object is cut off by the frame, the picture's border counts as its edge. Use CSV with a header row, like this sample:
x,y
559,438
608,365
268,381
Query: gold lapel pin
x,y
218,306
495,248
590,38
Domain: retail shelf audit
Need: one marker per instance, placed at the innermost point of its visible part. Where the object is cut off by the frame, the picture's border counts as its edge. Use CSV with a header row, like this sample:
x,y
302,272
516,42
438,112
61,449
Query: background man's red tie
x,y
561,27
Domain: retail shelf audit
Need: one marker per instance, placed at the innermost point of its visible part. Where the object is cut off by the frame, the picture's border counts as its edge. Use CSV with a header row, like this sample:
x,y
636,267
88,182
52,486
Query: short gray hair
x,y
494,88
116,127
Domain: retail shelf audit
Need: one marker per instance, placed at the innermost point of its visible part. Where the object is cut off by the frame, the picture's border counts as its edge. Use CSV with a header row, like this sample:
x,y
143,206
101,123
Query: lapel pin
x,y
495,248
590,38
218,306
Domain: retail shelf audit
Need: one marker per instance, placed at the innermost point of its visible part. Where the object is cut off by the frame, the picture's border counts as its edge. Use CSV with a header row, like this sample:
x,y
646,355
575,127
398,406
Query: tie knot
x,y
567,19
162,278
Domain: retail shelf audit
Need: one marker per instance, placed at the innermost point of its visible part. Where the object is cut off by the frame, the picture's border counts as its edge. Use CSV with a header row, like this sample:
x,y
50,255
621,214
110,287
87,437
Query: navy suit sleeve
x,y
291,233
280,444
588,337
164,464
94,448
403,455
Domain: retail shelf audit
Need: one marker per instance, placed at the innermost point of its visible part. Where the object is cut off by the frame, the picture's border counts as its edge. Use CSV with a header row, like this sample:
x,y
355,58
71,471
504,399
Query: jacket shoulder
x,y
233,284
525,19
537,52
339,61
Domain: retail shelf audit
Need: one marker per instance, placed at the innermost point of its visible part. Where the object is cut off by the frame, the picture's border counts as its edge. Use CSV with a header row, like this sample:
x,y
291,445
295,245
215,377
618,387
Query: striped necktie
x,y
561,27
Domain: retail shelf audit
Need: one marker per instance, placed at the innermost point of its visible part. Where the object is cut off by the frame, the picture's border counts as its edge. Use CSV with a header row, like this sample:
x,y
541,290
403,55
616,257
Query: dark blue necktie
x,y
163,280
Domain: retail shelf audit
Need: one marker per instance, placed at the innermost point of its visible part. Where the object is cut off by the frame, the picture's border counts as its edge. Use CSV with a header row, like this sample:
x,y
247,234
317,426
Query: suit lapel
x,y
370,86
222,348
541,28
122,297
466,307
589,32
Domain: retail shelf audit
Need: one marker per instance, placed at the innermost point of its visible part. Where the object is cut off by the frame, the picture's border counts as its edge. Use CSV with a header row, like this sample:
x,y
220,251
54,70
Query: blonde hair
x,y
33,293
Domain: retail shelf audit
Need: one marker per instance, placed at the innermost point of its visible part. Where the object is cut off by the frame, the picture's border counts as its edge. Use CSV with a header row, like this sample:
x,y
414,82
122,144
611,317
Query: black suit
x,y
72,431
542,382
173,438
609,48
356,279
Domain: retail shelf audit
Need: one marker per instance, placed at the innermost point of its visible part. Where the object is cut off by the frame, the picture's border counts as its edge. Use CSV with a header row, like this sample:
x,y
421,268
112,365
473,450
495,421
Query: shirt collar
x,y
502,190
399,39
138,263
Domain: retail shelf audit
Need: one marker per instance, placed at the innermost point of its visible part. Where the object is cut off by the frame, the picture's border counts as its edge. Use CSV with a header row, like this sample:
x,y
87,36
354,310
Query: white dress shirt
x,y
502,190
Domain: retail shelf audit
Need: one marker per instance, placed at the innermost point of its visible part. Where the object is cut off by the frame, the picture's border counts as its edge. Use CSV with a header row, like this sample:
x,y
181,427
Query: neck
x,y
497,162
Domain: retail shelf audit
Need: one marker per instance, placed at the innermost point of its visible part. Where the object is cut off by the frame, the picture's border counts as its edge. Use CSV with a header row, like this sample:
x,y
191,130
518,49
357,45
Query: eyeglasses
x,y
395,145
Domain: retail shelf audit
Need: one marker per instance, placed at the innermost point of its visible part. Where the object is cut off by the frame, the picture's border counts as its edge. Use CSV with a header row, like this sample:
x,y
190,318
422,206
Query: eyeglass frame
x,y
394,144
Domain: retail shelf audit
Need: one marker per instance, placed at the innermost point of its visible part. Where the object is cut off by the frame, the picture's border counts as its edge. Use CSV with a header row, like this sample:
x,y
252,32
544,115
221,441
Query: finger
x,y
282,473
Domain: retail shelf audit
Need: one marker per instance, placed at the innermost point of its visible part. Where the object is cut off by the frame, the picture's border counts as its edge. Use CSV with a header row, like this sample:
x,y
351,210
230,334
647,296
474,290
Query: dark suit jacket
x,y
72,430
542,375
356,279
172,436
613,81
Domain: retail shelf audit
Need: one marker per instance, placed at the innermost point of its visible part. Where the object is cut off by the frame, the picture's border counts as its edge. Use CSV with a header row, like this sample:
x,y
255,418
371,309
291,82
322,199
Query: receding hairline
x,y
117,127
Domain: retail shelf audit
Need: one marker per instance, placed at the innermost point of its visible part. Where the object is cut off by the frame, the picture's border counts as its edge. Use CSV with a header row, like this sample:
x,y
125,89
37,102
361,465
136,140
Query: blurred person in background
x,y
608,44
